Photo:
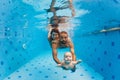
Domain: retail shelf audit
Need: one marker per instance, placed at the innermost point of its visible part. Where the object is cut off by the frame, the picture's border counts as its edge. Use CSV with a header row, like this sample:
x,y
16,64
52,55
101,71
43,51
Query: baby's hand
x,y
78,61
59,65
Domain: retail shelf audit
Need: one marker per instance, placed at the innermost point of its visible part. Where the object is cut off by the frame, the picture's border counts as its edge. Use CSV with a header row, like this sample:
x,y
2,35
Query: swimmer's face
x,y
63,38
68,57
55,35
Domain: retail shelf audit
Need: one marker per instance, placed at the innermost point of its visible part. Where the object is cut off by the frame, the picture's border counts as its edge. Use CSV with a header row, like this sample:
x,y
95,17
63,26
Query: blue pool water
x,y
25,53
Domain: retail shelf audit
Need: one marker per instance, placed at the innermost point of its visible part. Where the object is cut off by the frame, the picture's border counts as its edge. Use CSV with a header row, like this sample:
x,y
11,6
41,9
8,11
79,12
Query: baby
x,y
67,63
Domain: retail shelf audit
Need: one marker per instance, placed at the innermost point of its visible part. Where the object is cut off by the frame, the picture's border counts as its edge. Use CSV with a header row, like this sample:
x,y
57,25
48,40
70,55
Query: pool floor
x,y
44,68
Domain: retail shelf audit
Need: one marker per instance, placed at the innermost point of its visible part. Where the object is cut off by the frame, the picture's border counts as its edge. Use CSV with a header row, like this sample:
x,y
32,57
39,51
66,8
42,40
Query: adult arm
x,y
72,51
54,53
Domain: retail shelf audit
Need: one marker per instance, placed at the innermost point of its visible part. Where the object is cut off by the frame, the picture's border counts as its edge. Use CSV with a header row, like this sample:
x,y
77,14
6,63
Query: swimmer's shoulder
x,y
69,40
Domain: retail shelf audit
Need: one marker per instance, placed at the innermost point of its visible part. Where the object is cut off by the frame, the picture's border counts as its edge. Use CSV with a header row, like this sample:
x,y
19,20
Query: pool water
x,y
44,68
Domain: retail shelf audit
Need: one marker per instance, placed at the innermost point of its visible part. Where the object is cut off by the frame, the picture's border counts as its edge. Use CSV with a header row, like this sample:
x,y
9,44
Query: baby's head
x,y
68,57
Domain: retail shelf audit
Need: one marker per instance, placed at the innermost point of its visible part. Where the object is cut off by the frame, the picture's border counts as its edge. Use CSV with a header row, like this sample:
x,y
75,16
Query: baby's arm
x,y
76,62
60,65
